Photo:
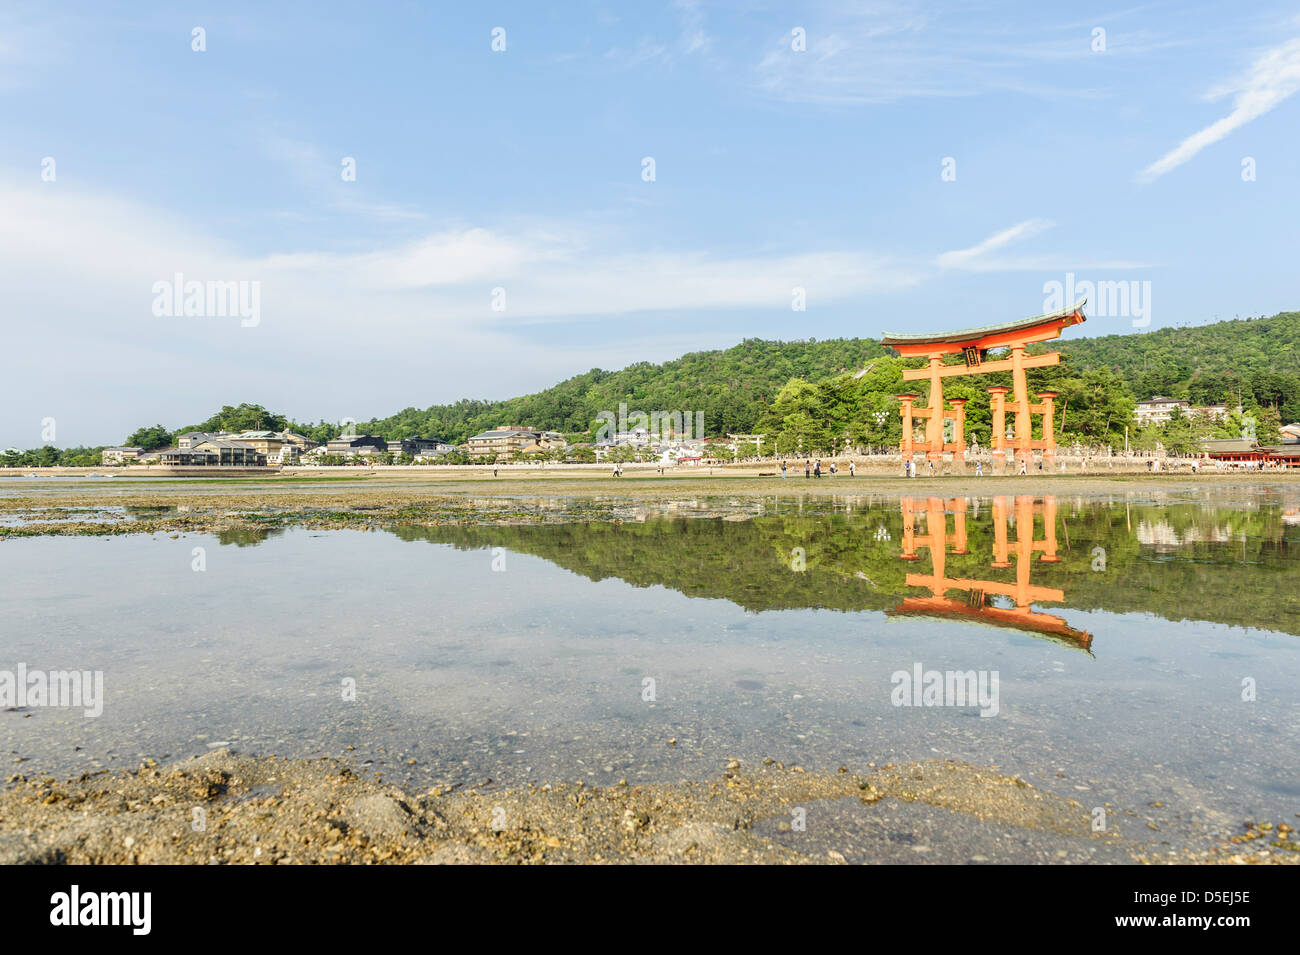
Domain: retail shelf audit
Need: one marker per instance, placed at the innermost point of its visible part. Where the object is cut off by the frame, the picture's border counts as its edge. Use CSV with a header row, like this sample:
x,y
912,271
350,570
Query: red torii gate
x,y
973,344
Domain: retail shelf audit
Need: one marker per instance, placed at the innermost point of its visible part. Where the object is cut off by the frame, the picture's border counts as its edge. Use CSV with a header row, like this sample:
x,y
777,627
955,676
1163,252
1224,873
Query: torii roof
x,y
984,331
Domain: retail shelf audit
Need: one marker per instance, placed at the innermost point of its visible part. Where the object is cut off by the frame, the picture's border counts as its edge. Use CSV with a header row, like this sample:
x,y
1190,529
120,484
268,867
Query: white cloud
x,y
398,324
1273,77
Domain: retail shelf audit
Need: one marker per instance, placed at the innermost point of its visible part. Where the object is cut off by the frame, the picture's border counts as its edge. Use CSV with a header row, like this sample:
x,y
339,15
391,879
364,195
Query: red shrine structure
x,y
976,606
973,344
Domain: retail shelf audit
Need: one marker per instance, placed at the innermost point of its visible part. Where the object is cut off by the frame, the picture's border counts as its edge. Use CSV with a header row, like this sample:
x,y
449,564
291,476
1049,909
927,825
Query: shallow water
x,y
520,654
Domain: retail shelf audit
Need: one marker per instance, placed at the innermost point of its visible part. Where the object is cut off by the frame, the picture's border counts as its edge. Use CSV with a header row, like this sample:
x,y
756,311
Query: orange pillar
x,y
1000,533
999,400
958,507
906,402
936,524
959,429
1024,547
909,529
1024,429
1049,530
1049,424
934,426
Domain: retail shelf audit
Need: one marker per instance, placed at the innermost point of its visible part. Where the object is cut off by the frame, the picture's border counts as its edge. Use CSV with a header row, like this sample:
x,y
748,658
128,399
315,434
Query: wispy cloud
x,y
982,256
972,257
692,38
318,176
1274,77
886,51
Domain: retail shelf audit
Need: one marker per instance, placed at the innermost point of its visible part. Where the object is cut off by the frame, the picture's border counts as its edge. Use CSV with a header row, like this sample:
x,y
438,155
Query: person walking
x,y
782,470
852,470
807,469
817,468
1022,467
979,468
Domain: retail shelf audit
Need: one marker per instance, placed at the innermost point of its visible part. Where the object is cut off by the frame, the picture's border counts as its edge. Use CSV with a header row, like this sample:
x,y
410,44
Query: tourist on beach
x,y
783,470
817,468
494,472
807,469
1023,470
979,468
852,469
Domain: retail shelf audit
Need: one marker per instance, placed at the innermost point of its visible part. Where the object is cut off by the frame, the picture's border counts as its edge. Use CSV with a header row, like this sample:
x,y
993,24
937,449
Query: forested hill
x,y
732,387
1258,357
806,390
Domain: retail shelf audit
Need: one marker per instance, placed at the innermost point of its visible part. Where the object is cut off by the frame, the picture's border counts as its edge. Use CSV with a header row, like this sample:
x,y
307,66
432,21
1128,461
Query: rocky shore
x,y
229,808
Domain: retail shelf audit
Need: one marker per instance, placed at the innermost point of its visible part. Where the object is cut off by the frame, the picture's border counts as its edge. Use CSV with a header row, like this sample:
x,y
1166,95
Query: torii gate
x,y
976,607
973,344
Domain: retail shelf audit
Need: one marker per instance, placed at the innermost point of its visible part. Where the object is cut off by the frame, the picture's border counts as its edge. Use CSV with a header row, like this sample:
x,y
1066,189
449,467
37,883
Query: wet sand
x,y
361,498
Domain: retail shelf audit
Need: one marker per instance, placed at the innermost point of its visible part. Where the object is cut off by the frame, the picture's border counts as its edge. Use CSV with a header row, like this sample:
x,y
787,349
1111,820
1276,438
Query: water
x,y
520,654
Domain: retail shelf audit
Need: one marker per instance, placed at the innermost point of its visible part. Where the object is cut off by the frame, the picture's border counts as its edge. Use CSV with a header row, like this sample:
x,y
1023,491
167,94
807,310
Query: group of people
x,y
812,469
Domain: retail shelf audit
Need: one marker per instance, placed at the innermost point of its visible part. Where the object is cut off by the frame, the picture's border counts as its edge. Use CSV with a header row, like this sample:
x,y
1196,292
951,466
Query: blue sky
x,y
1114,156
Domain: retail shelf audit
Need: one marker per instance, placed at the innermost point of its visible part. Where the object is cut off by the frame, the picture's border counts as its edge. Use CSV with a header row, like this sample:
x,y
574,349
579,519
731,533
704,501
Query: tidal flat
x,y
677,668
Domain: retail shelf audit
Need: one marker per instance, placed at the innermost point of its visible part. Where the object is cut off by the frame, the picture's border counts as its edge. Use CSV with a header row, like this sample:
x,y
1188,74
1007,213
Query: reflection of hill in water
x,y
853,560
732,560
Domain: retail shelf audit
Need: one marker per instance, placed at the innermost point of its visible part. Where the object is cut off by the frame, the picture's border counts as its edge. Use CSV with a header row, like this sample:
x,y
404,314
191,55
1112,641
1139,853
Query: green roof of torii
x,y
966,334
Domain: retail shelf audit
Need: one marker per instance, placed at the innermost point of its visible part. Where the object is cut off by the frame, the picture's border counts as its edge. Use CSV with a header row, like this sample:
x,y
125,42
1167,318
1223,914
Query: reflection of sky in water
x,y
536,673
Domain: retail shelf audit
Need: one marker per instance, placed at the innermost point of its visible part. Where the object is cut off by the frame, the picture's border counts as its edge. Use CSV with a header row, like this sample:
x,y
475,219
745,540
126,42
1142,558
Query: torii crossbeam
x,y
973,344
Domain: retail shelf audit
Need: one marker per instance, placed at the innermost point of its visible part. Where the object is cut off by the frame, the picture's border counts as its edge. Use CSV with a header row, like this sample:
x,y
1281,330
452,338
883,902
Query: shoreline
x,y
176,506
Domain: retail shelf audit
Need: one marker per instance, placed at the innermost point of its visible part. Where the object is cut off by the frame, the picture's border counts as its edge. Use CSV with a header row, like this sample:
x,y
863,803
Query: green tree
x,y
151,439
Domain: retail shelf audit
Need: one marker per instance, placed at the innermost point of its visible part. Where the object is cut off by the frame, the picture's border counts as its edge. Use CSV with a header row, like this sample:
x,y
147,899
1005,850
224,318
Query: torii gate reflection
x,y
976,607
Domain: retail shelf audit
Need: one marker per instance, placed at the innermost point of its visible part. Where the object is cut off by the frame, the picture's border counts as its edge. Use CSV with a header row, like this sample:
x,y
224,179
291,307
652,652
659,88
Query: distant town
x,y
505,443
509,443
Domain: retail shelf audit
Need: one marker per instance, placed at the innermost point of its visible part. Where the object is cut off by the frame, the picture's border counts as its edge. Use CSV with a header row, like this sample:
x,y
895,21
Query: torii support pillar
x,y
906,402
934,426
958,416
998,398
1048,409
1024,439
